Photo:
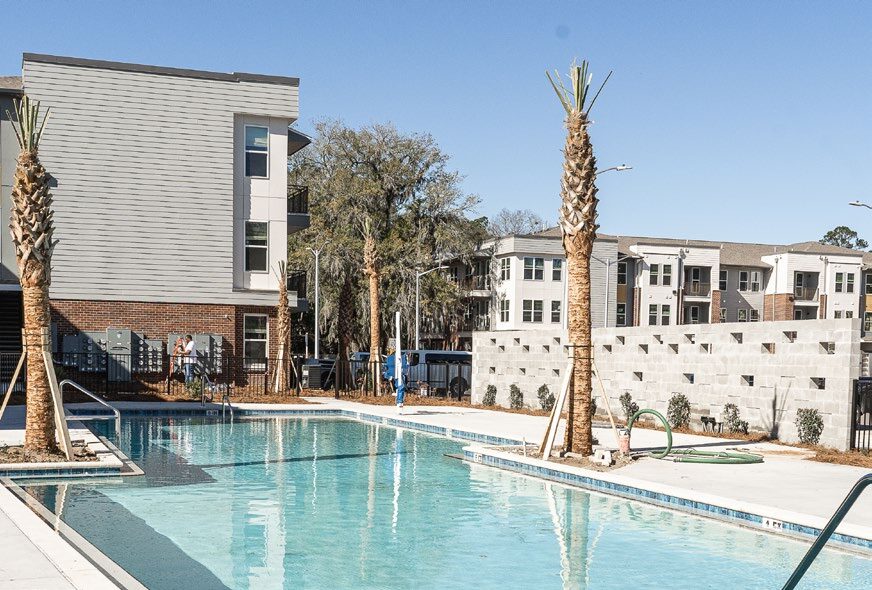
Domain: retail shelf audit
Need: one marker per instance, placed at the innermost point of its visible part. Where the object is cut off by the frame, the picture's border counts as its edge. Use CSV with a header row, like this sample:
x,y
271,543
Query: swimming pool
x,y
267,503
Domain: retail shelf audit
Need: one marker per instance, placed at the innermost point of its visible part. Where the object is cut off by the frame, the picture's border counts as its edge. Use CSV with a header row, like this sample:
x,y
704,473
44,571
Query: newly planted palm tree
x,y
578,218
283,326
371,269
32,227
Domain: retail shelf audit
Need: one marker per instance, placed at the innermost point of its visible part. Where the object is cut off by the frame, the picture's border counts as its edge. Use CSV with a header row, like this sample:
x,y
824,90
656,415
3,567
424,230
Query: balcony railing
x,y
298,199
479,323
297,282
805,294
697,289
477,283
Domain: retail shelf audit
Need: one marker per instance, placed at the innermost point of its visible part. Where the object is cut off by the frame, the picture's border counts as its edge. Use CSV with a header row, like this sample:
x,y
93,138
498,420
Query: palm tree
x,y
32,227
371,269
283,326
578,223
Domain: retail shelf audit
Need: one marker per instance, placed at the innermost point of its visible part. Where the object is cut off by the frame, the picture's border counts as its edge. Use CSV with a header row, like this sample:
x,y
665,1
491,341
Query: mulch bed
x,y
17,454
416,400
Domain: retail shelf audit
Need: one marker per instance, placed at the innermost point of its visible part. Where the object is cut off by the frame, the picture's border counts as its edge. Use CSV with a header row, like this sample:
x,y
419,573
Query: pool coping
x,y
799,526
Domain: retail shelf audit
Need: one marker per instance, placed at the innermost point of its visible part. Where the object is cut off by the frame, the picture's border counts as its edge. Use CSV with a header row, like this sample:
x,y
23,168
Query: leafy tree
x,y
522,221
844,237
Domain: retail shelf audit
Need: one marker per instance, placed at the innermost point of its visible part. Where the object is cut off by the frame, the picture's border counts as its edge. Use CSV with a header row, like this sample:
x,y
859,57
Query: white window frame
x,y
694,311
755,281
746,281
666,275
665,315
622,271
555,308
536,268
840,282
849,314
621,314
247,246
723,280
753,315
245,150
531,311
849,282
505,269
505,306
867,321
249,363
868,283
742,315
556,269
653,274
837,315
653,312
722,315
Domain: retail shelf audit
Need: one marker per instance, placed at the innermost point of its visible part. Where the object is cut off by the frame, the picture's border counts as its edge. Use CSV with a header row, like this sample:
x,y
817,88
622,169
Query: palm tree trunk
x,y
345,327
372,272
39,433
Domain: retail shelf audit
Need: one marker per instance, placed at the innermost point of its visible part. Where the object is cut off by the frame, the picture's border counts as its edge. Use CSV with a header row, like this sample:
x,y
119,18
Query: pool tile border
x,y
493,458
490,457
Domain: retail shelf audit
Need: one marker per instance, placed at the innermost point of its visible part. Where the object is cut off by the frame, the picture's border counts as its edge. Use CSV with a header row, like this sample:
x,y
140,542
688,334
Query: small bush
x,y
194,388
516,398
809,425
546,398
629,406
732,420
490,396
678,412
592,406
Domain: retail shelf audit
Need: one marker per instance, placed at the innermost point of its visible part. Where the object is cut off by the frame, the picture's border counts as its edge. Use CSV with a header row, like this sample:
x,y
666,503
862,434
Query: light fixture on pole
x,y
860,204
418,304
317,253
620,168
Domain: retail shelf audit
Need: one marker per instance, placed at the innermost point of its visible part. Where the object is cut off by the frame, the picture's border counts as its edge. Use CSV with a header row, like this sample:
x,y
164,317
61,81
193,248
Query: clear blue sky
x,y
744,121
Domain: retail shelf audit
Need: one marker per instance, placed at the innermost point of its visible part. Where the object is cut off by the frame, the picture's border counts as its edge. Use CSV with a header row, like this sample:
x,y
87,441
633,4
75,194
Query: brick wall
x,y
157,320
822,309
715,315
778,307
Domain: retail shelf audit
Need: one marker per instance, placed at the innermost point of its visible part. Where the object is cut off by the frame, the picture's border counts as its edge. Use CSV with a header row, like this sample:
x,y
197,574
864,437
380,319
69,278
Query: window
x,y
754,315
534,269
743,315
748,380
722,281
454,274
837,315
867,321
667,274
621,314
743,280
504,310
254,339
694,314
557,269
555,312
840,282
723,314
256,246
869,283
256,152
654,275
797,314
505,269
849,283
622,273
849,315
664,315
755,281
652,315
532,310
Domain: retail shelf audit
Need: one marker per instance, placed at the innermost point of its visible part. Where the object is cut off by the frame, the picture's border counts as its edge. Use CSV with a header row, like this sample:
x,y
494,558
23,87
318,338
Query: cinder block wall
x,y
709,363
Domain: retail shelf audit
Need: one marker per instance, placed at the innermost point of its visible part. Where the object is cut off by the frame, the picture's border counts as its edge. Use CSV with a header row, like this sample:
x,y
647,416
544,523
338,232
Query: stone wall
x,y
710,363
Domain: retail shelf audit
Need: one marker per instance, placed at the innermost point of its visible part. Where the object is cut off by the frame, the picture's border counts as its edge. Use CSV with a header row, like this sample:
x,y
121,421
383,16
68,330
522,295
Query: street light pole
x,y
418,304
317,254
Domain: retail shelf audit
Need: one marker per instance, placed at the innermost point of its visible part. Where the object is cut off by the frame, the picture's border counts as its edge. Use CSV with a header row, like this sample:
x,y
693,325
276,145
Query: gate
x,y
861,417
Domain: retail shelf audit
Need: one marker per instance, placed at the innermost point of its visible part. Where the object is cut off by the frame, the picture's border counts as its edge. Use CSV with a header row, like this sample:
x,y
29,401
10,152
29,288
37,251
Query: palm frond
x,y
580,78
27,130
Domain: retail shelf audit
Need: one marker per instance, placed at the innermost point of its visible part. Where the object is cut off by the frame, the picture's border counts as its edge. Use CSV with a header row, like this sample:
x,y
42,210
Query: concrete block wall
x,y
709,363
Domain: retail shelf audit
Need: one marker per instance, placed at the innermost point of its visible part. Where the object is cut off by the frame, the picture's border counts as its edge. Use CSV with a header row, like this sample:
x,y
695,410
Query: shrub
x,y
516,398
592,406
546,398
678,412
194,388
809,425
490,396
732,420
630,407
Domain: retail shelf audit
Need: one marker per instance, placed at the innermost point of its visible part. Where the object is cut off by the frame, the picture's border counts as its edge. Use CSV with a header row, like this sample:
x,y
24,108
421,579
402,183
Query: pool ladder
x,y
116,414
211,387
828,531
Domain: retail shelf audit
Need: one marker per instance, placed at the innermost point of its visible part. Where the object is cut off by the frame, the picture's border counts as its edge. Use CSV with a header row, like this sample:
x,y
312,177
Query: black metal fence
x,y
8,362
861,418
442,379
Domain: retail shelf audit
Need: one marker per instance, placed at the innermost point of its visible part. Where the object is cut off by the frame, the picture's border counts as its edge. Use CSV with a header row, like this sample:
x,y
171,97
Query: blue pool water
x,y
269,503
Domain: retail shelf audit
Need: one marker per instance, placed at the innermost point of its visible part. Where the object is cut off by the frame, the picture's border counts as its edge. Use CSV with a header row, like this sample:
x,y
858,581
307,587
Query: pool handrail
x,y
73,417
827,531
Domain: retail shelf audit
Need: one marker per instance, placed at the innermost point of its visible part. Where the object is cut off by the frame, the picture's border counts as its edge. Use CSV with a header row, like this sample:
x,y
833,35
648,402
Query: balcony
x,y
298,207
478,323
805,294
297,283
477,283
697,289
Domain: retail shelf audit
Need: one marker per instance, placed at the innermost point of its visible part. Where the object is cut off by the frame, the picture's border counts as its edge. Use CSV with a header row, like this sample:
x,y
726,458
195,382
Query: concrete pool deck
x,y
784,484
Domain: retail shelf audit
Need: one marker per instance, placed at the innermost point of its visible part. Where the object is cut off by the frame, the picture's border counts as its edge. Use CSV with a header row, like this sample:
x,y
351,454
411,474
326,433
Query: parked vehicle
x,y
440,372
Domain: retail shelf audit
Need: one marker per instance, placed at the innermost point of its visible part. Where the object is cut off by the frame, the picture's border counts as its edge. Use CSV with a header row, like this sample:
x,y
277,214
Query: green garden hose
x,y
693,455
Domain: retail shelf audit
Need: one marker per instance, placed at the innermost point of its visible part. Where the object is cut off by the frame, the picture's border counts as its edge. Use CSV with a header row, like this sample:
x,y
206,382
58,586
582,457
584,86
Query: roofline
x,y
160,70
11,91
685,245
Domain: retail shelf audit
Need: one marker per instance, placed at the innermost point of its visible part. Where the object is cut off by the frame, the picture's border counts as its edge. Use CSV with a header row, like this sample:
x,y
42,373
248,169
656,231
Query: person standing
x,y
190,358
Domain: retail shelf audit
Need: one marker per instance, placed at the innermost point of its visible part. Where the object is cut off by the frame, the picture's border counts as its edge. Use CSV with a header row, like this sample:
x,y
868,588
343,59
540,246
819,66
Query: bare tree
x,y
509,222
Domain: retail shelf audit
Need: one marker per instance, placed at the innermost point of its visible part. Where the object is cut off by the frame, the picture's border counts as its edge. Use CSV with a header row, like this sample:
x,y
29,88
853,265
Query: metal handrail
x,y
96,398
212,388
828,531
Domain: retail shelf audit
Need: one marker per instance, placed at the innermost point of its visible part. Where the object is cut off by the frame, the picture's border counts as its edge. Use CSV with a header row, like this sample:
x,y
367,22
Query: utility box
x,y
93,347
151,356
217,353
71,350
122,350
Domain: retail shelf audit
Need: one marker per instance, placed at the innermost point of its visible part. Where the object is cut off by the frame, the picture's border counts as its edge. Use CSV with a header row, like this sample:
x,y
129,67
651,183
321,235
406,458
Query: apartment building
x,y
172,203
644,281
